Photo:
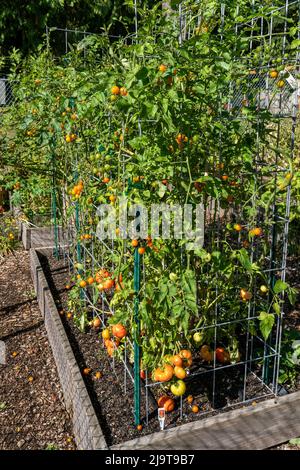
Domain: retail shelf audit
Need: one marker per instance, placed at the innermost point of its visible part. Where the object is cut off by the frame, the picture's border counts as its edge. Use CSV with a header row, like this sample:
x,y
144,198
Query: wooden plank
x,y
254,427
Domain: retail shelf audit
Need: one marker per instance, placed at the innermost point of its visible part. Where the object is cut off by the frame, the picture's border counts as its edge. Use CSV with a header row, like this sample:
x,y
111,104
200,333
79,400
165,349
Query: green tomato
x,y
107,167
264,289
173,277
79,266
178,388
198,337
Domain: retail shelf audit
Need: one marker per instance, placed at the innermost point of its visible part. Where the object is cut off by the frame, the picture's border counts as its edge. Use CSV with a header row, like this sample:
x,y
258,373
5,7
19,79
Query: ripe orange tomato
x,y
206,354
195,409
257,231
83,284
167,403
142,250
273,74
106,180
109,284
222,355
181,138
237,227
177,360
185,354
115,90
123,91
139,427
162,68
143,374
163,374
91,280
134,243
119,330
97,323
86,371
245,295
109,343
190,399
179,372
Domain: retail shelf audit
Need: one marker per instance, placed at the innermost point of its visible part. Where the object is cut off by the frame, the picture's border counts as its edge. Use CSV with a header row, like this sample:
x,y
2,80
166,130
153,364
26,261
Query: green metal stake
x,y
77,222
136,339
54,207
54,203
137,397
267,371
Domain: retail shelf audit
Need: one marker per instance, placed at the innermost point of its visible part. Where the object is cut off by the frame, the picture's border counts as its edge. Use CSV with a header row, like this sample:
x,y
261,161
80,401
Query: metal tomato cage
x,y
257,371
281,107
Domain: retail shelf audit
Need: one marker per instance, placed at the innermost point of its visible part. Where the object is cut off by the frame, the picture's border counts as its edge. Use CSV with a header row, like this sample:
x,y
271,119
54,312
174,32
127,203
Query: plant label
x,y
161,418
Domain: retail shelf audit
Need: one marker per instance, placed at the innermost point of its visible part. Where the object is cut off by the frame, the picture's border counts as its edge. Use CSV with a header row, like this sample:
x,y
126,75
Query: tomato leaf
x,y
280,286
267,321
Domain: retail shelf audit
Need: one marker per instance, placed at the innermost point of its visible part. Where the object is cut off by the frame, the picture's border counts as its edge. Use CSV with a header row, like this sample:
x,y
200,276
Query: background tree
x,y
23,22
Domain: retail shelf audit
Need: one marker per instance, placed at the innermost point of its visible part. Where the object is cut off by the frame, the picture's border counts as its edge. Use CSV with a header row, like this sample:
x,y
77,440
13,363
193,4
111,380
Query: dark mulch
x,y
114,408
32,413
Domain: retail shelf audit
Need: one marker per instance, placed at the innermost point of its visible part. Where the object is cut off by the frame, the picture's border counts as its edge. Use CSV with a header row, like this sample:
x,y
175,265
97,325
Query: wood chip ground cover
x,y
32,412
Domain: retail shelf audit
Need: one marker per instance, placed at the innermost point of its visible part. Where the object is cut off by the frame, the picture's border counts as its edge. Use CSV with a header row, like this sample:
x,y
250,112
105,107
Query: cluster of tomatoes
x,y
222,355
112,337
167,72
168,403
253,232
142,248
103,279
86,236
117,91
70,138
175,369
77,190
181,139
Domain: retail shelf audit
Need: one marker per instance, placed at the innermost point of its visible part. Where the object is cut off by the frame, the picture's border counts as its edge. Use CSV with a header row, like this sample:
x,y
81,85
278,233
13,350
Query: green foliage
x,y
26,31
8,234
290,357
60,128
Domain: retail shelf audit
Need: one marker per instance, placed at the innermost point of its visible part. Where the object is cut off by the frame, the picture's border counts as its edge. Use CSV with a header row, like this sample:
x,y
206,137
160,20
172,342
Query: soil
x,y
113,406
32,412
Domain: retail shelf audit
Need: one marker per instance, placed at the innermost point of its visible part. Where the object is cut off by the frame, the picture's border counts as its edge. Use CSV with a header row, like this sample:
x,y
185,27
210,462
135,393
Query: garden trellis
x,y
230,145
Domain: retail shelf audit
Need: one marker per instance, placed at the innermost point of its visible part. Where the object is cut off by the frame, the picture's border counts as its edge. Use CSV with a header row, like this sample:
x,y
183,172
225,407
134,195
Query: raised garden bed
x,y
112,408
37,237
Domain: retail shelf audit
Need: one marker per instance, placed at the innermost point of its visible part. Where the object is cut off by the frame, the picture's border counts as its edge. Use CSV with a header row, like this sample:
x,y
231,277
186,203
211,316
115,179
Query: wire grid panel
x,y
254,373
270,34
6,92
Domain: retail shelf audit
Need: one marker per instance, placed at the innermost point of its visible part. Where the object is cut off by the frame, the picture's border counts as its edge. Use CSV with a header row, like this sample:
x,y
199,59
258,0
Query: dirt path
x,y
32,413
